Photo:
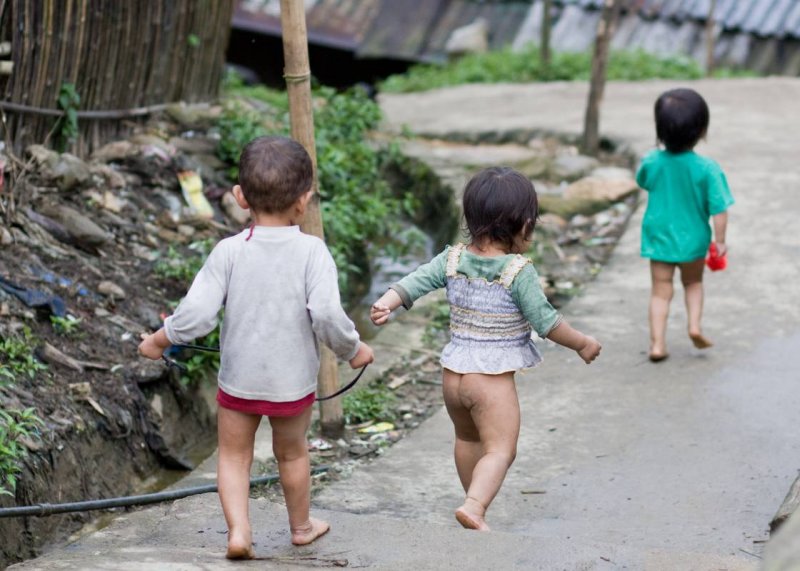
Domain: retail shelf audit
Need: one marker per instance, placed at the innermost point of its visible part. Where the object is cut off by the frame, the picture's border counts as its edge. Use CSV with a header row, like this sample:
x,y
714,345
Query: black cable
x,y
127,501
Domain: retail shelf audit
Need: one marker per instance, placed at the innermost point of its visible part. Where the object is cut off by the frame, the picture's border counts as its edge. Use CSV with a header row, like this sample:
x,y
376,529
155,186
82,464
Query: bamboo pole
x,y
547,25
301,114
710,37
605,29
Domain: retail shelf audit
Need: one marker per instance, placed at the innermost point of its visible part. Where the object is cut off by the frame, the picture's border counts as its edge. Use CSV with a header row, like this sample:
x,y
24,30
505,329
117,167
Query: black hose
x,y
127,501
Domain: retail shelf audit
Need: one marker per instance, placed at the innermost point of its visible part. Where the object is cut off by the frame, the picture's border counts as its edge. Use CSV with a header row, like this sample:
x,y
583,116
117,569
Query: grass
x,y
525,67
370,403
17,357
14,426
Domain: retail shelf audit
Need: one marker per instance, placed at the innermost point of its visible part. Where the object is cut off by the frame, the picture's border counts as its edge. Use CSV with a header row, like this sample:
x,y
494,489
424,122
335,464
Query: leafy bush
x,y
17,357
525,66
177,266
357,204
14,425
369,403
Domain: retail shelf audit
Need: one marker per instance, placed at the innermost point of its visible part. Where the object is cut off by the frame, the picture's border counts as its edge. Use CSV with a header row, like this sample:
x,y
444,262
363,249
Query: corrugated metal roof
x,y
335,23
417,30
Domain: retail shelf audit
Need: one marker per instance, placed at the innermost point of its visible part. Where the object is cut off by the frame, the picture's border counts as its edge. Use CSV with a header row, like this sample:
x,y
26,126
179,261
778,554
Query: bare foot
x,y
657,354
240,546
657,357
309,531
470,515
700,341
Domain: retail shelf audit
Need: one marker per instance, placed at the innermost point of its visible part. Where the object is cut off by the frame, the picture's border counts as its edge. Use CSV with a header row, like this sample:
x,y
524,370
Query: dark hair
x,y
273,173
499,203
681,119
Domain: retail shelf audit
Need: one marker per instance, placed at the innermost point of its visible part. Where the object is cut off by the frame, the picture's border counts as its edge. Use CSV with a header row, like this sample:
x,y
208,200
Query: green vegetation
x,y
370,403
66,326
177,266
14,426
66,129
17,357
525,66
203,365
438,324
357,203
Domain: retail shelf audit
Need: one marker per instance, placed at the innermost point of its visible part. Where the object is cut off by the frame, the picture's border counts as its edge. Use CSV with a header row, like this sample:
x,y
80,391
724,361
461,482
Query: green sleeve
x,y
529,296
718,193
641,173
425,279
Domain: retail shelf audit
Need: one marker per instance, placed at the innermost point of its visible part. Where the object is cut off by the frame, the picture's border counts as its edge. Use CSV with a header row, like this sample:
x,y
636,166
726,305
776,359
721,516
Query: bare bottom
x,y
700,341
470,521
310,531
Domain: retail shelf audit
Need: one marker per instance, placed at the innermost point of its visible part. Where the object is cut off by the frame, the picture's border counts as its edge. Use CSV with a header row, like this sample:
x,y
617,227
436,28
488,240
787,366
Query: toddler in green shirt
x,y
685,190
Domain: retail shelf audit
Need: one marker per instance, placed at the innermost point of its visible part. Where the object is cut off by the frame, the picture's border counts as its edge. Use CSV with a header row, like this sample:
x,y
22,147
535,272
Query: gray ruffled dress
x,y
490,315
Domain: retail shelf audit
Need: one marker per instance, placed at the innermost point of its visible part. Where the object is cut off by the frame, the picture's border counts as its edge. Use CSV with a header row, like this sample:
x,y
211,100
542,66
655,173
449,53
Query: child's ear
x,y
240,199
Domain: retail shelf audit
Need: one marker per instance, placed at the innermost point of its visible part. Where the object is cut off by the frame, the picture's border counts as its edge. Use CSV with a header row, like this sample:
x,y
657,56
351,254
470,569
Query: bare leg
x,y
661,274
236,432
692,279
493,407
468,448
294,467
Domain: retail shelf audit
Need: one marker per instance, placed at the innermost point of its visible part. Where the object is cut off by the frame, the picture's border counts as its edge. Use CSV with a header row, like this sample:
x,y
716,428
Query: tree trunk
x,y
298,86
547,25
710,37
605,30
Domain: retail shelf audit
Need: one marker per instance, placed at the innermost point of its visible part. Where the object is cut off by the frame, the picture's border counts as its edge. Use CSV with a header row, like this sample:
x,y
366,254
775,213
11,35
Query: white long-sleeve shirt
x,y
280,293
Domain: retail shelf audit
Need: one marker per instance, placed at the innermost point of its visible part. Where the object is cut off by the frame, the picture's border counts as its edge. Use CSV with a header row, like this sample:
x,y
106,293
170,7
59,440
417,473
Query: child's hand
x,y
153,345
363,357
379,313
590,350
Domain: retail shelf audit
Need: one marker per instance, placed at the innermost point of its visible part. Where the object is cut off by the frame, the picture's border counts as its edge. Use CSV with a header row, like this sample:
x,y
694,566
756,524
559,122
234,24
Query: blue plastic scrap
x,y
35,298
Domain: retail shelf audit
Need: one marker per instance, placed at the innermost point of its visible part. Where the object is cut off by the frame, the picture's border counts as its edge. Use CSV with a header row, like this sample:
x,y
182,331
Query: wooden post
x,y
297,73
547,25
710,37
605,29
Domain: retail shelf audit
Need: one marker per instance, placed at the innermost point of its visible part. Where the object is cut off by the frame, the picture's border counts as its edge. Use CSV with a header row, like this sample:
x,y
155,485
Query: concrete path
x,y
622,464
691,455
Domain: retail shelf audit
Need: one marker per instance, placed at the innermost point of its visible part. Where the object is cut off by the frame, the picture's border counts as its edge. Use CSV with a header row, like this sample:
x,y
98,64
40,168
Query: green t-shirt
x,y
526,291
684,191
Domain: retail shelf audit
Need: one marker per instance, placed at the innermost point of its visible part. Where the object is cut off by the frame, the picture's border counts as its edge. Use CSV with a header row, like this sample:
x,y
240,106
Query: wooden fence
x,y
125,58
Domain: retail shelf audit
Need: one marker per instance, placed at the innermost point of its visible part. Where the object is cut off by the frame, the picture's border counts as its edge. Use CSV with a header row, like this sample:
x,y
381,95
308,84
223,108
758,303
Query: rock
x,y
600,189
86,233
108,176
43,156
198,116
116,151
145,140
110,289
148,316
186,230
194,146
70,172
567,208
580,221
572,167
552,222
145,371
6,239
232,209
612,173
470,39
210,161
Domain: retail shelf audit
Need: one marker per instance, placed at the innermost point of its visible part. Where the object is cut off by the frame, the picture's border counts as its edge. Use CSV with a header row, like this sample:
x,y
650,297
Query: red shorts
x,y
264,407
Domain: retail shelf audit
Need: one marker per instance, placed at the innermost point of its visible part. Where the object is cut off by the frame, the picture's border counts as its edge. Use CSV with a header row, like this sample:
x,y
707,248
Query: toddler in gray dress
x,y
495,301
